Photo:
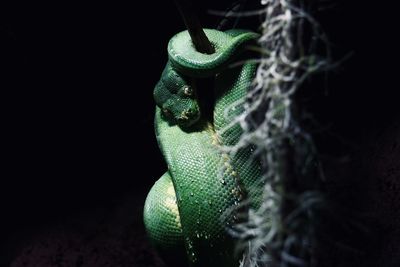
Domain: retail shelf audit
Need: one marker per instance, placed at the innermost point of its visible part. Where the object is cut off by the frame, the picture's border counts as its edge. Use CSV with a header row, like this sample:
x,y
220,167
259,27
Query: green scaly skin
x,y
190,209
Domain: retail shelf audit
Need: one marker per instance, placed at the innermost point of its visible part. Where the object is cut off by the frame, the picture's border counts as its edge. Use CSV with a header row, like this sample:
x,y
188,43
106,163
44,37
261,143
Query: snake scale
x,y
190,209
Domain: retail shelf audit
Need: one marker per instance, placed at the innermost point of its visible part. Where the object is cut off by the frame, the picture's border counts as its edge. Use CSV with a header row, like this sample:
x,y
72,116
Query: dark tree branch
x,y
199,38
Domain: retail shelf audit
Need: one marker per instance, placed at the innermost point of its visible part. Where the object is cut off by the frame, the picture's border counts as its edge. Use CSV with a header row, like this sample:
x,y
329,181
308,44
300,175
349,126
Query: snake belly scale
x,y
190,209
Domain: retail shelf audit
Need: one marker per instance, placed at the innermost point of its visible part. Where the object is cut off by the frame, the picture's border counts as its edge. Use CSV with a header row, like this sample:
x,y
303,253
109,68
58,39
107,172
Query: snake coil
x,y
190,208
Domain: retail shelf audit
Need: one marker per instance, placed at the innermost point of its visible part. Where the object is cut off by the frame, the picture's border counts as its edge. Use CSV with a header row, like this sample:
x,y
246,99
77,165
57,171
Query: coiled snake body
x,y
190,209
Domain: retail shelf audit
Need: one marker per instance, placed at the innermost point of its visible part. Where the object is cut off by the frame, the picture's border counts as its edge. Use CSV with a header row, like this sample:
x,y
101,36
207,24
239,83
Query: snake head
x,y
176,96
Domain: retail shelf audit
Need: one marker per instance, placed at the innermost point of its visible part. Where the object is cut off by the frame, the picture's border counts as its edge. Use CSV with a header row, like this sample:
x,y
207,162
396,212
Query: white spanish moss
x,y
271,117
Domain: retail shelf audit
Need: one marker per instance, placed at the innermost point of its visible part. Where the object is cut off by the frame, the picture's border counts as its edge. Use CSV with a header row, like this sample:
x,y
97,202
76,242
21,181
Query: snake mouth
x,y
187,118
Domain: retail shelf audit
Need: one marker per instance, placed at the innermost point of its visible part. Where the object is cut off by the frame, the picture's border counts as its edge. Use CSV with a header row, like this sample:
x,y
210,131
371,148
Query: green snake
x,y
190,209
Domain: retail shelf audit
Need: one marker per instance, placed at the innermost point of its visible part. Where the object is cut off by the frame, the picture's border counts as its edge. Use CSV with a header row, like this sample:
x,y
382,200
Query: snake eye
x,y
187,90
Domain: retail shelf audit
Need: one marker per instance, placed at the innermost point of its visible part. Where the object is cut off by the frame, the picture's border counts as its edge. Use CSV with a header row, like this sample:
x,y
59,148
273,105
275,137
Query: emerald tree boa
x,y
190,209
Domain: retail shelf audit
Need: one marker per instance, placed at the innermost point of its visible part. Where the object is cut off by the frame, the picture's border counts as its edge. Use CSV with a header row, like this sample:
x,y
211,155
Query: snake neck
x,y
228,45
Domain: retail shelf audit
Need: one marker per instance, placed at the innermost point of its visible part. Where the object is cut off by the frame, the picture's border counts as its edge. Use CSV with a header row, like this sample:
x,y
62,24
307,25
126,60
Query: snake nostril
x,y
167,112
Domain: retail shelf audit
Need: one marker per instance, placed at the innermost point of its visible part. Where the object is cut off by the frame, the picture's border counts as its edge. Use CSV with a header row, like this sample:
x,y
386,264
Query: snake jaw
x,y
185,118
188,117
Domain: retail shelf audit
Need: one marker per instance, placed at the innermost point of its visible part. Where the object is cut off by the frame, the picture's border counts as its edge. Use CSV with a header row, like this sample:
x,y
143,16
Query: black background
x,y
76,92
77,85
